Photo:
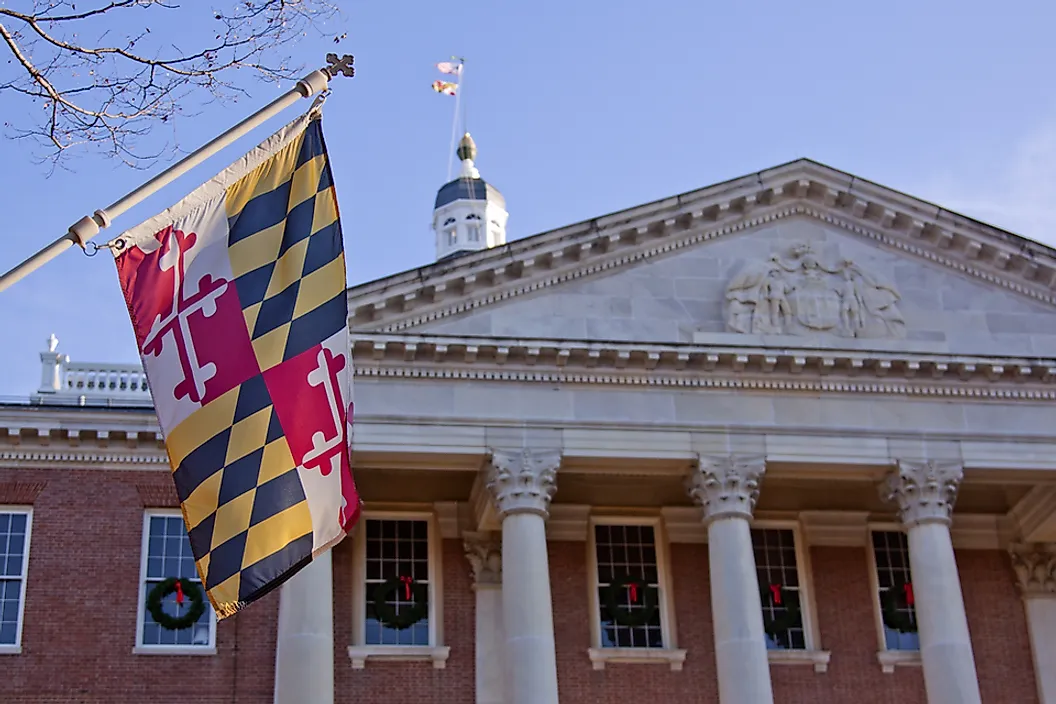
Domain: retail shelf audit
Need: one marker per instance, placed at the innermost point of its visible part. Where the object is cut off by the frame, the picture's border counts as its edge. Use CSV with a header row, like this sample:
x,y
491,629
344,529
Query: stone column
x,y
925,493
522,483
1035,567
485,557
304,649
726,488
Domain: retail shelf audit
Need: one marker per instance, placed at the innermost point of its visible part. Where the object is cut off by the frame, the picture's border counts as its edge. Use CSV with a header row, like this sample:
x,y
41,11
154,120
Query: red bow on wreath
x,y
632,589
907,589
775,592
406,581
179,594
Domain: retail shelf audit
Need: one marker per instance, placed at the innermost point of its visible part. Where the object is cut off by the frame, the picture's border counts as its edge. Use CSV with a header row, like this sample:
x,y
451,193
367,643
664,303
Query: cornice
x,y
731,367
87,458
866,210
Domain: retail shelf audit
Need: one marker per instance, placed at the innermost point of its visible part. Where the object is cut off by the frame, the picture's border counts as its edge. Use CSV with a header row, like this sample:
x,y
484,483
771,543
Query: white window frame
x,y
142,648
888,659
670,654
359,652
812,654
16,647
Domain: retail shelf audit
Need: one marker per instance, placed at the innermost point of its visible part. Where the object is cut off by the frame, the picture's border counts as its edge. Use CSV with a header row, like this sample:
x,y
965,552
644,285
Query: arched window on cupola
x,y
475,227
450,231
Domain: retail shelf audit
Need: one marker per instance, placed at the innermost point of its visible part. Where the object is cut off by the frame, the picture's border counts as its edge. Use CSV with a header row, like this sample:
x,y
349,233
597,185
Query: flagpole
x,y
89,226
454,119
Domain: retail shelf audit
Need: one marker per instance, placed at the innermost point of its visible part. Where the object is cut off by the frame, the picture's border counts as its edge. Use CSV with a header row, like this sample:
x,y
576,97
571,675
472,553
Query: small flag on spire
x,y
445,87
450,67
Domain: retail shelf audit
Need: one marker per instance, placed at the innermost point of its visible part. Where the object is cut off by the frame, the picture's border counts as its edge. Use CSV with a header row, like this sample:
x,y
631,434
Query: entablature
x,y
705,364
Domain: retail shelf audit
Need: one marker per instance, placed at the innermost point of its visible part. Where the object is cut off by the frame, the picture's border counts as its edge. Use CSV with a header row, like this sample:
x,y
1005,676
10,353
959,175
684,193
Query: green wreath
x,y
777,627
407,616
624,616
180,586
894,617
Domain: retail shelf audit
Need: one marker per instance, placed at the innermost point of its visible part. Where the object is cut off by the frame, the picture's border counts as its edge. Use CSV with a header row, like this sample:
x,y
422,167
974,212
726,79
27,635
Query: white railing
x,y
83,378
87,383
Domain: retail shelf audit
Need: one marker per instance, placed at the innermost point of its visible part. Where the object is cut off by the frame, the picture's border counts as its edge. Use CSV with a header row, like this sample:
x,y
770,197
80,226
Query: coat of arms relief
x,y
796,293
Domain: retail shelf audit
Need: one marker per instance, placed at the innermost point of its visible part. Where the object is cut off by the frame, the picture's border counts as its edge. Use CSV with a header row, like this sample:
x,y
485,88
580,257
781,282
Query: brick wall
x,y
417,682
81,601
845,621
83,588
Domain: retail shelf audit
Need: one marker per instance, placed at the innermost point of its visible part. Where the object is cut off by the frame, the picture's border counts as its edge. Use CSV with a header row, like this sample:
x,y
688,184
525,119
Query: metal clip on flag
x,y
88,227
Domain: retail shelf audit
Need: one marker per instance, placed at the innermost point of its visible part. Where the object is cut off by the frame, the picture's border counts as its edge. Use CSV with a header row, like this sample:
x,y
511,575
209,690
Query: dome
x,y
469,189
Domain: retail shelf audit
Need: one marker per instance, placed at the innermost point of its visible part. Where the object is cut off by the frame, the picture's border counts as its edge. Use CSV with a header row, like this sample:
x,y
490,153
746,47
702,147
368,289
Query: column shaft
x,y
740,644
925,492
945,645
531,661
485,557
522,484
1035,568
726,488
489,647
304,650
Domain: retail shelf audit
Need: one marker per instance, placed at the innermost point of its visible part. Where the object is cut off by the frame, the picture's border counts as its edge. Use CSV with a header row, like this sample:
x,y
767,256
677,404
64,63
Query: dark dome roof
x,y
469,189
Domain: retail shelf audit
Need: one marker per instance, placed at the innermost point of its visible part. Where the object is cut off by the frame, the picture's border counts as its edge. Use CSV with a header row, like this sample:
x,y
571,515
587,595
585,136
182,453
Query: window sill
x,y
174,650
10,649
670,656
818,658
890,659
359,654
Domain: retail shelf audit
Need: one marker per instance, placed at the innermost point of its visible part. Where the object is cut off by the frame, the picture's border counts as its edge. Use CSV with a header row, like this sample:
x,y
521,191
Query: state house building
x,y
788,438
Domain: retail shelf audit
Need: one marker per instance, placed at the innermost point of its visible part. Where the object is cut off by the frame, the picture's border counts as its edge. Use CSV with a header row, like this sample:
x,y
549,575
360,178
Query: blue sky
x,y
582,108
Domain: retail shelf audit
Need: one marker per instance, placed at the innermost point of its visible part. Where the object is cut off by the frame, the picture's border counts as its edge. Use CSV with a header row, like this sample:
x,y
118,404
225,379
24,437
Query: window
x,y
14,564
632,621
167,553
891,559
474,233
628,582
783,604
451,236
397,597
397,552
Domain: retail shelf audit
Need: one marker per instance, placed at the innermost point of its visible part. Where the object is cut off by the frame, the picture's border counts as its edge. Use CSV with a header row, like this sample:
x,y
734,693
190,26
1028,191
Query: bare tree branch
x,y
103,74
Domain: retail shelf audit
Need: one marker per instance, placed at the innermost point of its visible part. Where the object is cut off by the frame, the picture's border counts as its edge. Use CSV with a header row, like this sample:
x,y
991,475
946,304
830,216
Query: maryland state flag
x,y
237,298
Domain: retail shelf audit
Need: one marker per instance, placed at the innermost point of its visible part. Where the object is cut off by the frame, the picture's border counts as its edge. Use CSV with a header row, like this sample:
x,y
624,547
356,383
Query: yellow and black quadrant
x,y
286,251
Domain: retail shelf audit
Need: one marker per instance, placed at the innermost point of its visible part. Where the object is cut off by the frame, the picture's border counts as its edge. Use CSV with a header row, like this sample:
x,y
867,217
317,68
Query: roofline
x,y
428,270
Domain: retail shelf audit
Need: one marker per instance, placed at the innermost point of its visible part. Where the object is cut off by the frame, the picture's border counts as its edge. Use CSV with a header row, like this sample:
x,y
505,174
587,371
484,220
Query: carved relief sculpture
x,y
798,294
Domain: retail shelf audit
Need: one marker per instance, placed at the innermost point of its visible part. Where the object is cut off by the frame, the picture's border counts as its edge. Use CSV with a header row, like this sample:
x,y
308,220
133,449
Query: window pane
x,y
397,550
775,565
891,551
629,610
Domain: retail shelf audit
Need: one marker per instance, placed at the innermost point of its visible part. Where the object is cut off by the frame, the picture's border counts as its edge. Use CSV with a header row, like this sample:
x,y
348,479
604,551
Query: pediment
x,y
800,256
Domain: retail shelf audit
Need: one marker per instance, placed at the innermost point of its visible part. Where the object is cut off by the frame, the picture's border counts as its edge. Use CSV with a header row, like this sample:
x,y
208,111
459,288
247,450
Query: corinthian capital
x,y
1035,568
726,486
484,553
924,491
523,481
